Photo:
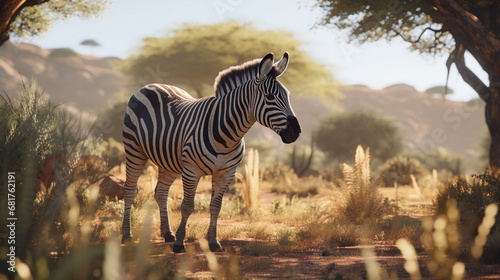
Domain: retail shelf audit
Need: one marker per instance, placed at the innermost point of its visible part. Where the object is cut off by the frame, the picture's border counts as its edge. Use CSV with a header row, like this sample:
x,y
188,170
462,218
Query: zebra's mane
x,y
234,76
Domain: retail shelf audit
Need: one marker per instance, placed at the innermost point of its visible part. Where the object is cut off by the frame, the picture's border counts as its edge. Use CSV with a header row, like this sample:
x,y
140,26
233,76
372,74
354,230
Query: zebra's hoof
x,y
178,248
215,247
169,237
127,239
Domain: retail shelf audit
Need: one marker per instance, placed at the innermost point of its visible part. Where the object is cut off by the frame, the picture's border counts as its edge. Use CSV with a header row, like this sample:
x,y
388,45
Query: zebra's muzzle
x,y
291,132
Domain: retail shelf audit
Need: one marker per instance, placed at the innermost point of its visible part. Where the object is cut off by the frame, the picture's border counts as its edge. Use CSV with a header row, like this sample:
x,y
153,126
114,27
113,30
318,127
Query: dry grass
x,y
277,225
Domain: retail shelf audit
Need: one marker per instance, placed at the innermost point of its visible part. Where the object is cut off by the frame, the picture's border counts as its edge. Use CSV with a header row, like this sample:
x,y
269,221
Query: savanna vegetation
x,y
270,212
356,203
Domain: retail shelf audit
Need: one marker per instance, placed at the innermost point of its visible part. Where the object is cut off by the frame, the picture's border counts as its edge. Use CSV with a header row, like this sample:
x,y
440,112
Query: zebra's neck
x,y
233,117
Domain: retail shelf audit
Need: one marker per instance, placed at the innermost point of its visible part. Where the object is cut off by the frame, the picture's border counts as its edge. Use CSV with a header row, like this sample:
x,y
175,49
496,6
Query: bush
x,y
363,205
472,198
278,172
441,159
399,170
110,121
62,52
484,144
32,130
113,152
339,135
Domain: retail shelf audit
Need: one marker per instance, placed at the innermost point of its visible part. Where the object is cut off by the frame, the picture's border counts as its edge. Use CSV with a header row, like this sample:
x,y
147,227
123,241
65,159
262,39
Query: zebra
x,y
192,138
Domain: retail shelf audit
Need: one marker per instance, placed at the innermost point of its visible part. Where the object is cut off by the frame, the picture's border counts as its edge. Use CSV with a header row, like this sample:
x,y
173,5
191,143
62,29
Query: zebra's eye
x,y
269,96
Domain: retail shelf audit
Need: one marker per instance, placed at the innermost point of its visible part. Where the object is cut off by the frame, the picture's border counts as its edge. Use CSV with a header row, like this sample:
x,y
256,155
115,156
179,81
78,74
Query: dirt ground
x,y
313,264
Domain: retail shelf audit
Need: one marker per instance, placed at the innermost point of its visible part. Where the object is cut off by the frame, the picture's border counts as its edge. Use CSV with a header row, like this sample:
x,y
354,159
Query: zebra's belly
x,y
165,155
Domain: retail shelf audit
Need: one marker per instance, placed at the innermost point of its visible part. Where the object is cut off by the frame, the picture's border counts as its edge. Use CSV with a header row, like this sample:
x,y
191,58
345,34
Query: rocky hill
x,y
426,121
82,83
85,84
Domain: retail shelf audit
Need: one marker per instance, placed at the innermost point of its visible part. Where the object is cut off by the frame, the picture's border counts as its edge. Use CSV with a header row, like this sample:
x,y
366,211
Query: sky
x,y
121,28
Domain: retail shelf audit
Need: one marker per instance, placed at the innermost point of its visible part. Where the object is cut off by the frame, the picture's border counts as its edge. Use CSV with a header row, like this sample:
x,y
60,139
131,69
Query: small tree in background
x,y
90,43
338,135
439,90
399,170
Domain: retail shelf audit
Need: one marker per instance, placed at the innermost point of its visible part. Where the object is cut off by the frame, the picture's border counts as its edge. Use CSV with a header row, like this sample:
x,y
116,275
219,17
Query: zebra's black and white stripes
x,y
198,137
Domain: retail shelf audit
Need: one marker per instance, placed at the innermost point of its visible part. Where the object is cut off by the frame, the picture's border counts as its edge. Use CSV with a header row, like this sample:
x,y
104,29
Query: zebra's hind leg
x,y
165,180
134,167
189,183
220,182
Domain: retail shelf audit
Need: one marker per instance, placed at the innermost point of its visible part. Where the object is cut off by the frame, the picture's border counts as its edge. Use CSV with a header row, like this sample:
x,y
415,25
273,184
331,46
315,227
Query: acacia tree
x,y
193,55
26,18
434,26
340,134
91,43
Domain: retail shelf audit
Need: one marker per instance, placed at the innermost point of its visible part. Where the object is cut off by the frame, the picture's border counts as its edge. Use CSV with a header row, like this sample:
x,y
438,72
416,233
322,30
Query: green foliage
x,y
388,19
484,148
113,152
284,181
35,20
399,170
109,122
34,130
439,90
471,200
62,52
90,43
278,172
385,19
441,158
338,135
191,56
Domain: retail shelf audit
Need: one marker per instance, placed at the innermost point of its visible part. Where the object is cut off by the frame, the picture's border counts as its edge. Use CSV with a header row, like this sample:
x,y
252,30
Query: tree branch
x,y
420,36
9,11
472,28
469,77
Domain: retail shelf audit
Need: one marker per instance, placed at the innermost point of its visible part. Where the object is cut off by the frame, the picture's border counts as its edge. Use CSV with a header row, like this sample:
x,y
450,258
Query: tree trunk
x,y
492,114
8,11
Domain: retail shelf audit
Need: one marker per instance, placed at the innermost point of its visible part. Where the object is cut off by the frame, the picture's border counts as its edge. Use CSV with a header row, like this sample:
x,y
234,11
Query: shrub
x,y
278,172
301,187
285,181
109,122
363,205
441,159
398,170
113,152
62,52
471,199
339,135
32,130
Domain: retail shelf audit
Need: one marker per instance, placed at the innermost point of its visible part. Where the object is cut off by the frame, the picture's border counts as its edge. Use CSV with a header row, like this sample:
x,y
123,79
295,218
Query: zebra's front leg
x,y
220,182
165,180
189,184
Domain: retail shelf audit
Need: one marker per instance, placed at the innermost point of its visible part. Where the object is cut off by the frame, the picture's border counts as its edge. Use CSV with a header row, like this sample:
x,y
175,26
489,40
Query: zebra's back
x,y
156,122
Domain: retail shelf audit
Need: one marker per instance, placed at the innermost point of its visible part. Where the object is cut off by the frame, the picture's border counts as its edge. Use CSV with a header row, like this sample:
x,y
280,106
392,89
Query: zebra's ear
x,y
266,65
281,65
